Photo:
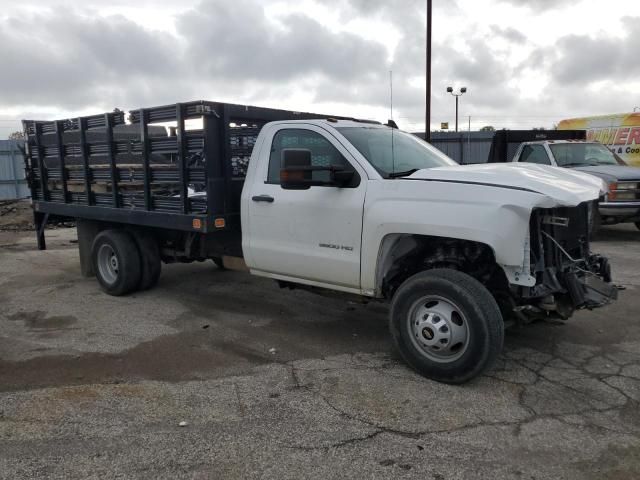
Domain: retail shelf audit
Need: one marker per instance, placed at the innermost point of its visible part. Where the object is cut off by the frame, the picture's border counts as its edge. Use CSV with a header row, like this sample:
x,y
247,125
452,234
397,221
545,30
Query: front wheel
x,y
446,325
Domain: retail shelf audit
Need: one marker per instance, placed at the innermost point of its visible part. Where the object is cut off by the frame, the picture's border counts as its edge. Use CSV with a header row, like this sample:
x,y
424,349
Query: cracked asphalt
x,y
97,387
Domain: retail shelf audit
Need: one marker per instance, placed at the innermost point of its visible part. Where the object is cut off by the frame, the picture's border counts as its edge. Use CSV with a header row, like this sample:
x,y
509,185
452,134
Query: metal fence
x,y
12,182
463,147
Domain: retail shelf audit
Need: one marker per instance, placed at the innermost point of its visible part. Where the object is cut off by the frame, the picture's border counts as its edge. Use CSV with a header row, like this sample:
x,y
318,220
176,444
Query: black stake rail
x,y
181,141
144,138
85,158
92,121
226,154
41,169
63,170
108,122
149,171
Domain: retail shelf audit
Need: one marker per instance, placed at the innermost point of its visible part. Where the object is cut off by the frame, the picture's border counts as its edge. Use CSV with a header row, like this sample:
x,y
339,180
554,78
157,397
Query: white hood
x,y
566,187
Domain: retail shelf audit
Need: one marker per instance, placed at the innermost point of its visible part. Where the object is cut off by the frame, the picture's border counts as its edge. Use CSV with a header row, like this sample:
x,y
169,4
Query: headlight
x,y
623,191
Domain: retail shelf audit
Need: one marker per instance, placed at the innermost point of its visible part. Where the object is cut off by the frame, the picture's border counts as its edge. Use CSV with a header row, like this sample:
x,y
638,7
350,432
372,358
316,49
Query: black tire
x,y
150,263
484,324
218,262
121,245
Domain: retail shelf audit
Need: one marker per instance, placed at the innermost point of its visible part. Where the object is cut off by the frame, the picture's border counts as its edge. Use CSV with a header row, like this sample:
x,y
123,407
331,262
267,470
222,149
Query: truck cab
x,y
371,210
621,203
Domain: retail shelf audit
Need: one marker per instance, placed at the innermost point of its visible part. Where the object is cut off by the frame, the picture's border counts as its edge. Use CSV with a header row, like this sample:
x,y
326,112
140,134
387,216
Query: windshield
x,y
392,151
582,154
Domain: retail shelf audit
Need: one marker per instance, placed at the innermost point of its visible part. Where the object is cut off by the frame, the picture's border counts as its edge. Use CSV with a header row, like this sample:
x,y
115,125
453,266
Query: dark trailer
x,y
174,171
506,142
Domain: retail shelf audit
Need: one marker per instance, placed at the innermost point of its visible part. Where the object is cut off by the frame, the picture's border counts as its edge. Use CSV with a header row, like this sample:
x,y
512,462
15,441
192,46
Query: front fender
x,y
496,217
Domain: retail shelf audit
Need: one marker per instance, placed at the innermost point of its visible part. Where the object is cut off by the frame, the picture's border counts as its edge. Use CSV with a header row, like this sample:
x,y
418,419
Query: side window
x,y
323,153
535,154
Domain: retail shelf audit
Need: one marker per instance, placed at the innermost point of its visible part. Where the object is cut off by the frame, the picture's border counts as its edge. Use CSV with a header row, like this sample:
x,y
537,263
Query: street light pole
x,y
456,113
463,90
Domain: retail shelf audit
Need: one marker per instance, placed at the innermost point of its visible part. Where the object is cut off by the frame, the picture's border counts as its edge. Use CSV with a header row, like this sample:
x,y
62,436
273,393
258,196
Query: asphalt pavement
x,y
217,374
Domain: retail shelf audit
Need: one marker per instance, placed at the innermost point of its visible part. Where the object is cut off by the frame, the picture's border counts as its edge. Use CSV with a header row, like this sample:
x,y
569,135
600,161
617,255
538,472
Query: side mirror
x,y
297,172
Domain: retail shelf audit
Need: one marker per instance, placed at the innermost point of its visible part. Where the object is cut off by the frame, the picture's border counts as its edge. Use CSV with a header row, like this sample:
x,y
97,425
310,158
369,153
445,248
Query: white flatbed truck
x,y
326,202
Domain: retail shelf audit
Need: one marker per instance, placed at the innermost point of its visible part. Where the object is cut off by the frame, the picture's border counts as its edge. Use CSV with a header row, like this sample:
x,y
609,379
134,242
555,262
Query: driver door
x,y
315,234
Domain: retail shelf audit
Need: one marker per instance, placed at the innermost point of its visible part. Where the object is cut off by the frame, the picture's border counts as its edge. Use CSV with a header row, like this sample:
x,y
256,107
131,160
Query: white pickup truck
x,y
351,206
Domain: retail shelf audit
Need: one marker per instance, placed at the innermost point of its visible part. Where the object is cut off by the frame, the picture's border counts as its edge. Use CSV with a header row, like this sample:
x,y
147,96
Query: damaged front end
x,y
568,276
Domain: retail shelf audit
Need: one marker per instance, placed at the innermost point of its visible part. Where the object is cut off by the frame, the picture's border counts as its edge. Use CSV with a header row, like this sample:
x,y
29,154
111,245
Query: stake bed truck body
x,y
325,202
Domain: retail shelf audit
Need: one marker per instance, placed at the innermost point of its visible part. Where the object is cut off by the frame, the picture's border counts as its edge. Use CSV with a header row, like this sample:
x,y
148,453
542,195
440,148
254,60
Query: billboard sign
x,y
620,133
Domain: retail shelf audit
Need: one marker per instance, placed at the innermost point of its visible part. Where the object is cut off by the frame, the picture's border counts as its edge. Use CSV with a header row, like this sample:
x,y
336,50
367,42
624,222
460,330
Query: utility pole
x,y
427,123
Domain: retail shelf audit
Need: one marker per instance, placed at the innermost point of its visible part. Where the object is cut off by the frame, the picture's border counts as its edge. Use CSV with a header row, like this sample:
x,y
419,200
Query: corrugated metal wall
x,y
12,181
463,147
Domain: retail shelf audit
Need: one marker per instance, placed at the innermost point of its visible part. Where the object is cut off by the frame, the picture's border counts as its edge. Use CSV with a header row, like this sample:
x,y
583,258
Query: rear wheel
x,y
116,262
446,325
150,263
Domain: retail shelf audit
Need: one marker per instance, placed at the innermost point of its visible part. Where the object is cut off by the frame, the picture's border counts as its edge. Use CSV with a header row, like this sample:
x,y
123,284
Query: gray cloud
x,y
233,51
541,5
73,59
582,59
222,48
509,33
238,41
68,60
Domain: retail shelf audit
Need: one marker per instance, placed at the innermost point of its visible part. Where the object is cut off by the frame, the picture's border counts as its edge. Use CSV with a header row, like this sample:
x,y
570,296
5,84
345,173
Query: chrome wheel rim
x,y
108,265
438,328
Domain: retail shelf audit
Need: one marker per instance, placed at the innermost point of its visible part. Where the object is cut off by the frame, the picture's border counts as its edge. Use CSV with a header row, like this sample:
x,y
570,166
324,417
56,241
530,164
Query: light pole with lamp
x,y
463,90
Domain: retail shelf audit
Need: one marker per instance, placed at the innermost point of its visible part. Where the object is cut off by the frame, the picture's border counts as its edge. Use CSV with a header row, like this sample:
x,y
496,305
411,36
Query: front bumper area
x,y
618,212
590,291
563,291
568,276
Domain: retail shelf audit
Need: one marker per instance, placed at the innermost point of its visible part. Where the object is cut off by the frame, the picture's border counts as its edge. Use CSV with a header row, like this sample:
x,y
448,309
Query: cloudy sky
x,y
526,63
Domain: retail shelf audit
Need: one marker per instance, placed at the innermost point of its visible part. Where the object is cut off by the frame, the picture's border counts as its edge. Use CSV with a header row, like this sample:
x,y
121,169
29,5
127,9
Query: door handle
x,y
263,198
